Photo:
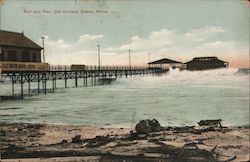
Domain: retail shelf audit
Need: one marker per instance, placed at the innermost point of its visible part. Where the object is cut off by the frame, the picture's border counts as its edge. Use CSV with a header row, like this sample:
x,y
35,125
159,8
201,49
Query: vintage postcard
x,y
124,80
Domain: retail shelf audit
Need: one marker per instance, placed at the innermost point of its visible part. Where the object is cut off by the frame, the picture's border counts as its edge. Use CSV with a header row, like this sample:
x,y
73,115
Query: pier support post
x,y
65,79
92,81
21,85
29,86
44,83
95,78
29,82
55,77
12,84
86,81
38,83
53,82
13,87
76,83
45,87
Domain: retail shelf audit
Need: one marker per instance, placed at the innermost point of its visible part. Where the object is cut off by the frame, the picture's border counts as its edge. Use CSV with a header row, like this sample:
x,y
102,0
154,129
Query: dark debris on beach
x,y
19,140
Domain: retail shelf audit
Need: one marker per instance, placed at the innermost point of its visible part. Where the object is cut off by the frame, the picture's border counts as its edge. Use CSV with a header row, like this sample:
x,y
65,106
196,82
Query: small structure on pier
x,y
165,63
205,63
19,53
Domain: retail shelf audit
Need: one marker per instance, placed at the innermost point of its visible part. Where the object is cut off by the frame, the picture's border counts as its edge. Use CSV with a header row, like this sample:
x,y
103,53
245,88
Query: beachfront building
x,y
165,63
204,63
19,53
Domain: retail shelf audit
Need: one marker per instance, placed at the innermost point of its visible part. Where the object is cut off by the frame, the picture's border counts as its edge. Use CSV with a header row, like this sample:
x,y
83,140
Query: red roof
x,y
14,39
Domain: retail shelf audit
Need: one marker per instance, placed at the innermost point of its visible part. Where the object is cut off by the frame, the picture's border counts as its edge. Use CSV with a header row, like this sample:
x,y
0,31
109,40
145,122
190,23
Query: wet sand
x,y
48,142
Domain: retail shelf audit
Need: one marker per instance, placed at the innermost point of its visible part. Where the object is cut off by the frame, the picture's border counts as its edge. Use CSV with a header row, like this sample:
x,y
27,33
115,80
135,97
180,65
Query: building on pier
x,y
205,63
19,53
165,63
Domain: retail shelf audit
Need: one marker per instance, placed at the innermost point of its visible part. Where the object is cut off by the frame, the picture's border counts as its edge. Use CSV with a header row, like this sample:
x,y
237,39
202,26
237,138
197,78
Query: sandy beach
x,y
48,142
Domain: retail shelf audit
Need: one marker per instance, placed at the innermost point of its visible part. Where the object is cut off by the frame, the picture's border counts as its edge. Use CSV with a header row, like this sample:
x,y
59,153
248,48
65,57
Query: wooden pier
x,y
93,74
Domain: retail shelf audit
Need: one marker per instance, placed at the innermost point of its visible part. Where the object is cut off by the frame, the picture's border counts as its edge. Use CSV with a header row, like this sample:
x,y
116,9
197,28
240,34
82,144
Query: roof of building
x,y
165,61
206,60
15,39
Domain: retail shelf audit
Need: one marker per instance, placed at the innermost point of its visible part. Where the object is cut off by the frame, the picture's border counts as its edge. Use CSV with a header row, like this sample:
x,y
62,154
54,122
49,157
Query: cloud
x,y
87,37
155,40
200,35
61,45
216,48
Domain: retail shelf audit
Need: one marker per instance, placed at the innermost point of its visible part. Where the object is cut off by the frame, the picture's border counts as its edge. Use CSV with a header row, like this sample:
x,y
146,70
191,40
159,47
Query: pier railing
x,y
93,67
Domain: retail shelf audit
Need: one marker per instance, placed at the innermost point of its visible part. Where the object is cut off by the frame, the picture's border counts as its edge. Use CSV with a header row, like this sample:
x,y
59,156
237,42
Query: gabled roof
x,y
14,39
206,60
165,61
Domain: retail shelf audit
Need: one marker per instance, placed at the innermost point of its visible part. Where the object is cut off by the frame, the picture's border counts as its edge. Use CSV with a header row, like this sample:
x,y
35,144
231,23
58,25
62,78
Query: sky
x,y
151,29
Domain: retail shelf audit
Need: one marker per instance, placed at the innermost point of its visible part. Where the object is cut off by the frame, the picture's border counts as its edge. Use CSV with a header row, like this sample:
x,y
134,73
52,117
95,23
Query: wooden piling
x,y
21,75
13,86
44,83
38,83
29,82
53,83
65,79
76,83
95,78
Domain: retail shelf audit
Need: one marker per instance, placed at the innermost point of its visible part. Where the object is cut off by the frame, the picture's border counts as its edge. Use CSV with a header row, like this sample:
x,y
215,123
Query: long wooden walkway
x,y
94,76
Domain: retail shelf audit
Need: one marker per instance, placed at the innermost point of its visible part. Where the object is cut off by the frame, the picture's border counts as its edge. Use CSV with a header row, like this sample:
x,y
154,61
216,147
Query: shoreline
x,y
129,126
22,141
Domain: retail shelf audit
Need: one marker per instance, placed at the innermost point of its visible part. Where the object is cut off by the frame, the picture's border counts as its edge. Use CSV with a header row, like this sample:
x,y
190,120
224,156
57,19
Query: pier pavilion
x,y
165,63
19,53
204,63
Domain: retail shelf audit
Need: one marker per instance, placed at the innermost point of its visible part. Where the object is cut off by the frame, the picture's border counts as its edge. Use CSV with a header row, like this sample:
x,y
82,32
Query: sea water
x,y
177,98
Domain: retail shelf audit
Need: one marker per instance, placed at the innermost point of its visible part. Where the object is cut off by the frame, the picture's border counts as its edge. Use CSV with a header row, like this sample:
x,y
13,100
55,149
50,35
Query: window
x,y
12,55
25,56
35,57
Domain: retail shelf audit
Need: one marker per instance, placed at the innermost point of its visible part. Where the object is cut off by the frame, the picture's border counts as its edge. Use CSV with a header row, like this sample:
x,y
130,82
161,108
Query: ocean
x,y
177,98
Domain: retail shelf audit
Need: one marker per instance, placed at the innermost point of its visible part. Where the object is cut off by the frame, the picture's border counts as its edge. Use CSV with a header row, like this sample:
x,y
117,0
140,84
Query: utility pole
x,y
99,59
129,59
148,57
43,48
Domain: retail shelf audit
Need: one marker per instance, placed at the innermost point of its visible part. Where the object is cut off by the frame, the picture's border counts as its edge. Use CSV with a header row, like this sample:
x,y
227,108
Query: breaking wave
x,y
204,73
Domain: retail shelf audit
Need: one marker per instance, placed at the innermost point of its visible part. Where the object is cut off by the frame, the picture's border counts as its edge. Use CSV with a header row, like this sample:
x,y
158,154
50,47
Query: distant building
x,y
19,53
165,64
204,63
17,47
